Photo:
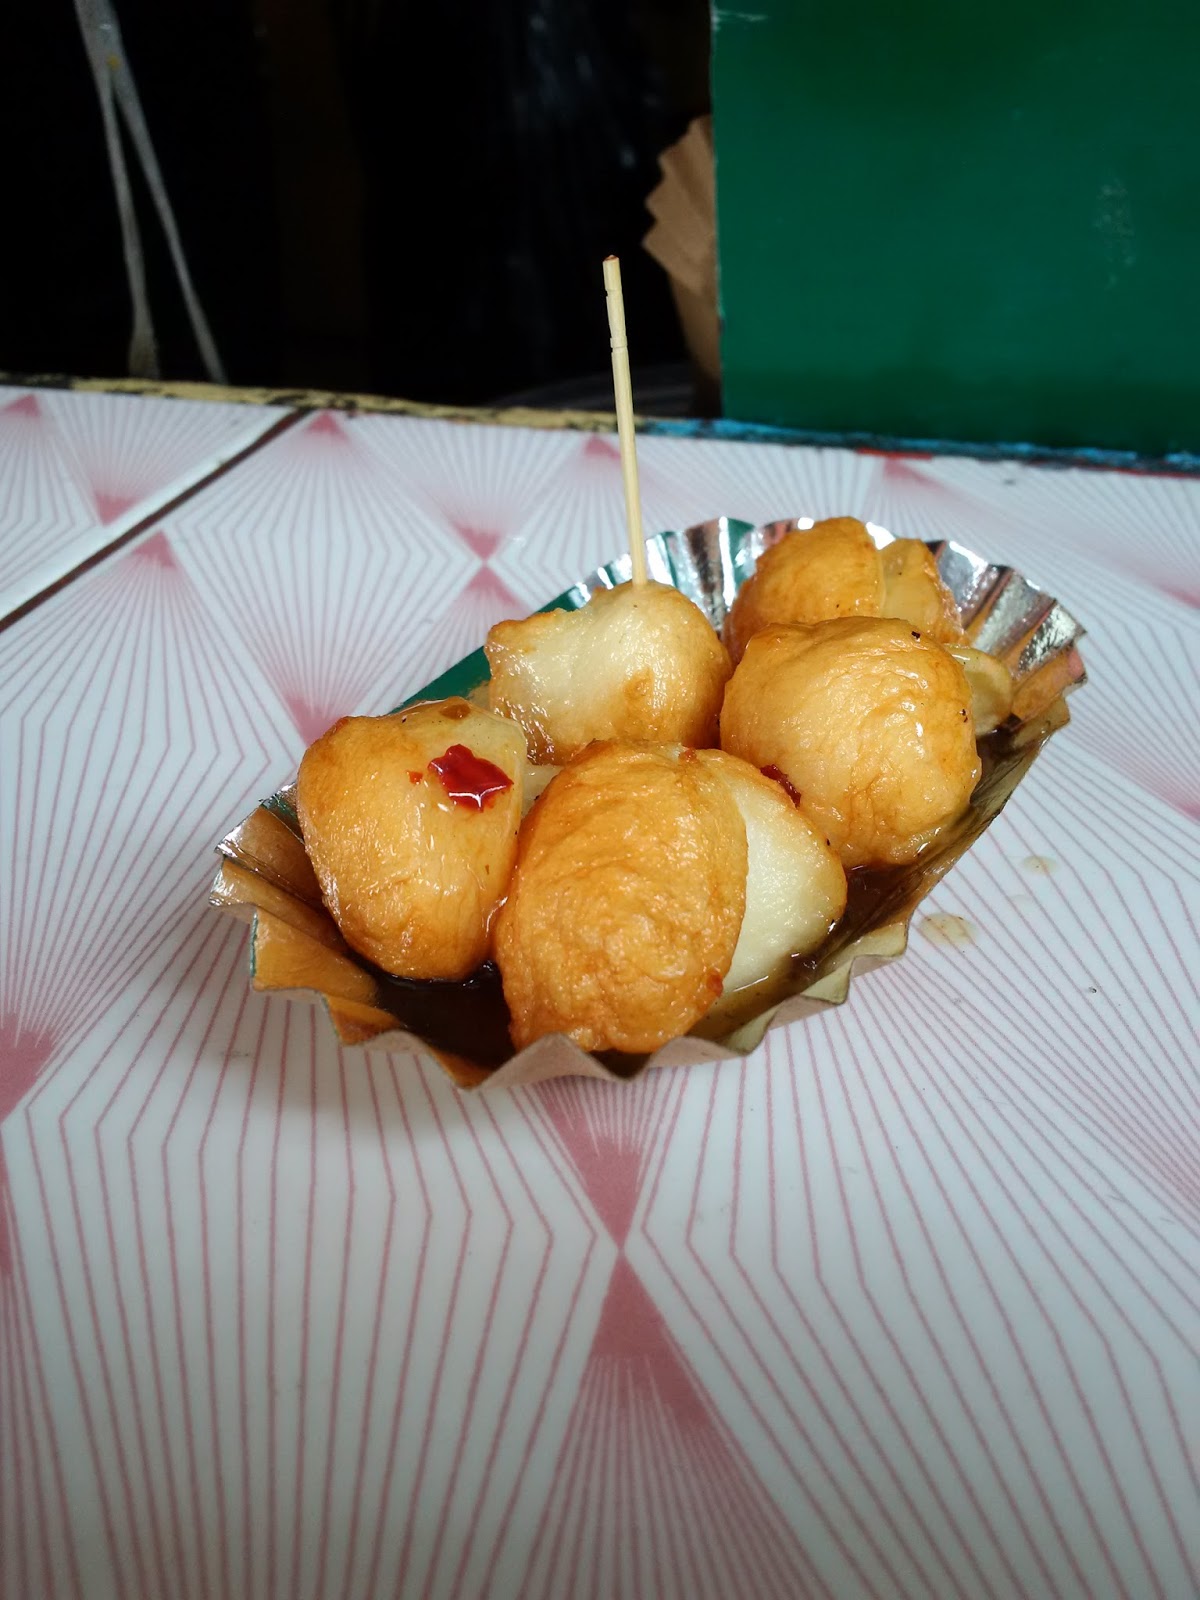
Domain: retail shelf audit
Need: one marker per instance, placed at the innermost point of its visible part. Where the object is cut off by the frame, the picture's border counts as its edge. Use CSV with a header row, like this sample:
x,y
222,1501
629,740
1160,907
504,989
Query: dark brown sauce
x,y
471,1018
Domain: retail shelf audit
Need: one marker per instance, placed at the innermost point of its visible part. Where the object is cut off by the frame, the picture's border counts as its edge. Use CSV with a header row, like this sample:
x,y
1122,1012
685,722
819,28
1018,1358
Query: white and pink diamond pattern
x,y
905,1305
78,471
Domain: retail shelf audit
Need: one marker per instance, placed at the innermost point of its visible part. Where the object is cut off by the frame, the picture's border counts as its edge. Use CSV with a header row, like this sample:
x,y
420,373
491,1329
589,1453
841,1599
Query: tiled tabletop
x,y
79,471
905,1305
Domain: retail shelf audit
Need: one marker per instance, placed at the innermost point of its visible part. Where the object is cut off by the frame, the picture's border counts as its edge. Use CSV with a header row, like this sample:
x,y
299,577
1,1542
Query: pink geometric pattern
x,y
1141,648
79,470
607,1134
483,488
641,1426
485,600
580,513
1144,526
757,482
904,1305
650,1495
346,574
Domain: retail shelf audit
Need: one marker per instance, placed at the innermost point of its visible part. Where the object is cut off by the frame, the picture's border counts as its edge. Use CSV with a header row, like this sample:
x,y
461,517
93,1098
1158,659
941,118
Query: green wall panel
x,y
950,221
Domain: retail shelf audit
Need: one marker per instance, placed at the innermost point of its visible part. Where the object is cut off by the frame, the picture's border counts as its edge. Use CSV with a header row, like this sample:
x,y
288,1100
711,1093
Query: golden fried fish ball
x,y
795,883
991,686
410,822
834,569
913,591
870,723
829,570
624,911
637,662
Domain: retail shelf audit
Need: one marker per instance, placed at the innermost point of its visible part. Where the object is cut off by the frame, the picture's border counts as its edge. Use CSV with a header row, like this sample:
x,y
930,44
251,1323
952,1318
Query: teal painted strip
x,y
728,428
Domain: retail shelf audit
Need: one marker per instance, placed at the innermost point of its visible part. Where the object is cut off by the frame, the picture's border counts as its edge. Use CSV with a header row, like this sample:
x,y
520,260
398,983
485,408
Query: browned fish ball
x,y
625,908
410,822
829,570
834,569
868,720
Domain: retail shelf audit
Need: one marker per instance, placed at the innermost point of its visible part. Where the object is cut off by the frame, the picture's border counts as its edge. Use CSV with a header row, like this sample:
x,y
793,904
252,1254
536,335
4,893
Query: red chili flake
x,y
414,777
784,782
468,779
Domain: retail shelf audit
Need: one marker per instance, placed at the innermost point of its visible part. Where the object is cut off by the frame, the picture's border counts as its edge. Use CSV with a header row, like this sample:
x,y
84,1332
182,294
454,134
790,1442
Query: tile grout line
x,y
143,524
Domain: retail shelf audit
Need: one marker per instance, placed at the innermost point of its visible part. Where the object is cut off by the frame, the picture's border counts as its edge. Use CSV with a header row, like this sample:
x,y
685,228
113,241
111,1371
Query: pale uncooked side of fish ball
x,y
410,822
537,781
991,686
639,662
795,883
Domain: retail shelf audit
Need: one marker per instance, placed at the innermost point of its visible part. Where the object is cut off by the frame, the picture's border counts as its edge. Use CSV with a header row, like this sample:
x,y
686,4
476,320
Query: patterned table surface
x,y
906,1304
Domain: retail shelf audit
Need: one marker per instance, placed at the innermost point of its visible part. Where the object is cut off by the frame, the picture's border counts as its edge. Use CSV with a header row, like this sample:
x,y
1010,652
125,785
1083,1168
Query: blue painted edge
x,y
1183,462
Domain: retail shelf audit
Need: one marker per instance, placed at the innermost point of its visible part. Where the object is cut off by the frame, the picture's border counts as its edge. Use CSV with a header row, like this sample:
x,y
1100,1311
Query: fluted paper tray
x,y
265,876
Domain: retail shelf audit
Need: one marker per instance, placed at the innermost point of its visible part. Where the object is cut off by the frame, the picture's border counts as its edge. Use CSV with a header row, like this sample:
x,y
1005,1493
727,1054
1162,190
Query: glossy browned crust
x,y
626,903
411,877
834,569
829,570
869,720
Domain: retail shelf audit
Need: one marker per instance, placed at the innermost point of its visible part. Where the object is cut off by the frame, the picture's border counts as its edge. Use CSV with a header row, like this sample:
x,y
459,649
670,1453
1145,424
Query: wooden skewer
x,y
624,396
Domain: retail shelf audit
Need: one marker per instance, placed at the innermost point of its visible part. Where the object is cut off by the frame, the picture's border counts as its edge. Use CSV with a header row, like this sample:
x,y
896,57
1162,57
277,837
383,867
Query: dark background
x,y
407,199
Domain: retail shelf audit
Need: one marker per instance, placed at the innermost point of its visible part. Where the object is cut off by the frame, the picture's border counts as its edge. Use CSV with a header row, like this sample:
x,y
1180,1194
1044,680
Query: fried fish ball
x,y
637,662
410,822
868,720
913,591
795,883
829,570
624,911
834,569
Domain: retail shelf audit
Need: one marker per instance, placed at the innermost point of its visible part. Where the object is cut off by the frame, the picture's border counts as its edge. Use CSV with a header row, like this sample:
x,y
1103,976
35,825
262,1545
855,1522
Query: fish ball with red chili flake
x,y
410,822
